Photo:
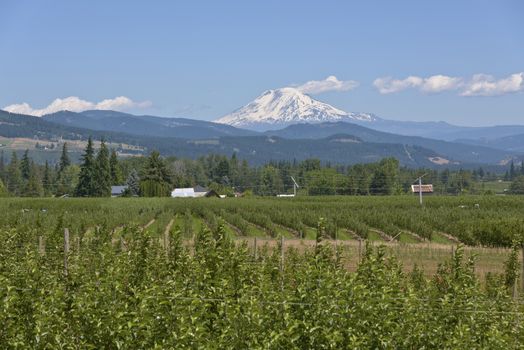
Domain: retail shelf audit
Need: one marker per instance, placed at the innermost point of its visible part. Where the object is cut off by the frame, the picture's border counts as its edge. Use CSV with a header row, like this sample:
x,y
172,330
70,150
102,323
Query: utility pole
x,y
295,186
420,190
419,179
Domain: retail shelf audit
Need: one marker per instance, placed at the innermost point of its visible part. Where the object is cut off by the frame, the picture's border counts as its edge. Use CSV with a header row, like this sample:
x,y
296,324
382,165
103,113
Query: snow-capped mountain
x,y
286,106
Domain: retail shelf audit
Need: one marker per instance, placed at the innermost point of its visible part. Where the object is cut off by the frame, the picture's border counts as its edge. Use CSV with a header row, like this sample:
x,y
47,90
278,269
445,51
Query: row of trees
x,y
156,176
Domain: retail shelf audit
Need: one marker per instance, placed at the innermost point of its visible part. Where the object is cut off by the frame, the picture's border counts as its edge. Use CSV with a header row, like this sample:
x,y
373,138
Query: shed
x,y
426,189
189,192
118,191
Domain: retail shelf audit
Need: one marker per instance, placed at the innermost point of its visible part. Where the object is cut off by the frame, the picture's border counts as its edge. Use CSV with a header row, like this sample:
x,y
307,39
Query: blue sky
x,y
202,59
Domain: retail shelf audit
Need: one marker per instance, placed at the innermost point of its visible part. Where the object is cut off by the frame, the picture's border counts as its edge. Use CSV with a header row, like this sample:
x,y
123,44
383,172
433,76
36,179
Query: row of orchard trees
x,y
215,294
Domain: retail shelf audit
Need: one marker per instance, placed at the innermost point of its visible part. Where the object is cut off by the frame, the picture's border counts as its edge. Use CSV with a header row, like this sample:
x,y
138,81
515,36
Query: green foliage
x,y
3,190
155,182
102,172
133,184
116,172
211,293
87,178
517,186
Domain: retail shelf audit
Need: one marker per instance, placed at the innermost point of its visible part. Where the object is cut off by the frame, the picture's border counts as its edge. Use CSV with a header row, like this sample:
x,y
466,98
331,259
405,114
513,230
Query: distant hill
x,y
144,125
456,151
341,143
443,130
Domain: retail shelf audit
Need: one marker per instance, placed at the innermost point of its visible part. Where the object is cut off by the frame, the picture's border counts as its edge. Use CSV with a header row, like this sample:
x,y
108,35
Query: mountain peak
x,y
286,106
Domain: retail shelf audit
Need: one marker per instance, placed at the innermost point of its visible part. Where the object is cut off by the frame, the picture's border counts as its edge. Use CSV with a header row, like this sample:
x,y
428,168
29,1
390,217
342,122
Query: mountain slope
x,y
443,130
144,125
286,106
454,151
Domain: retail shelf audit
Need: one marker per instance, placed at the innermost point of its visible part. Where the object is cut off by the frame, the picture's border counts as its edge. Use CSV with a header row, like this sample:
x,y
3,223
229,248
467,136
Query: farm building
x,y
118,191
426,189
192,192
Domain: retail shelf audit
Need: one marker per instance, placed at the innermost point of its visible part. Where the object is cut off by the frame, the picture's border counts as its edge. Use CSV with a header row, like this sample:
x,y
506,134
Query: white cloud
x,y
478,85
331,83
75,104
432,84
487,85
388,85
439,83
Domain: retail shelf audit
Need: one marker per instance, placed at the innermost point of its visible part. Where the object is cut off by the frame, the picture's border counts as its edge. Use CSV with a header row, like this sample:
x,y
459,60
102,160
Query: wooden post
x,y
41,245
66,250
255,252
282,252
166,241
522,278
359,249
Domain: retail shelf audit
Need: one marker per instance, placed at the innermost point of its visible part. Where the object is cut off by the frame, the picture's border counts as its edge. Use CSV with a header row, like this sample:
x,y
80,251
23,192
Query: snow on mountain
x,y
286,106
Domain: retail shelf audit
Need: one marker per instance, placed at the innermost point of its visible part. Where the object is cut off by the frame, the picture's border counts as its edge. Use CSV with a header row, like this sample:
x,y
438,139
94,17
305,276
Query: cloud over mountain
x,y
331,83
76,104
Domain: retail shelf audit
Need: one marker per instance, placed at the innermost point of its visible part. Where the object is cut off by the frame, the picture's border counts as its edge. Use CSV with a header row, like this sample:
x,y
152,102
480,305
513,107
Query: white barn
x,y
189,192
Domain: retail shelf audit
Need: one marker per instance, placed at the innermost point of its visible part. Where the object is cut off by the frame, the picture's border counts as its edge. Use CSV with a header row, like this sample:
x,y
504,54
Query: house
x,y
189,192
118,191
426,189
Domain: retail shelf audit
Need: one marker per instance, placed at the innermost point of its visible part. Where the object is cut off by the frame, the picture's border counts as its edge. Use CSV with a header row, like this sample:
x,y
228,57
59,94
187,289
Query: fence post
x,y
522,278
282,252
359,249
41,246
255,253
66,250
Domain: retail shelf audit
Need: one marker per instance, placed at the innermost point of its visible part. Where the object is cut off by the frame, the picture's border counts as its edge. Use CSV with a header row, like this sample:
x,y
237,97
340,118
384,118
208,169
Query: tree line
x,y
156,176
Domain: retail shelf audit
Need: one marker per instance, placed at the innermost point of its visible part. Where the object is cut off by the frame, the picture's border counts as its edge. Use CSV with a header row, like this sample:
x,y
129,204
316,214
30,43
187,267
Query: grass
x,y
407,238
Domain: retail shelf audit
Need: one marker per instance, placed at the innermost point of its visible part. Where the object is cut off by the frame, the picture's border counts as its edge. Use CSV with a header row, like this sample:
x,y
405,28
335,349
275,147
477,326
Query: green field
x,y
236,273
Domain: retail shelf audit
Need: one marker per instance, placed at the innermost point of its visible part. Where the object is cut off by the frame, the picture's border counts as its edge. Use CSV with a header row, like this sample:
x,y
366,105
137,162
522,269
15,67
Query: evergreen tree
x,y
33,186
3,190
47,181
517,185
25,165
116,171
103,172
156,179
86,186
14,177
133,184
64,160
512,172
2,166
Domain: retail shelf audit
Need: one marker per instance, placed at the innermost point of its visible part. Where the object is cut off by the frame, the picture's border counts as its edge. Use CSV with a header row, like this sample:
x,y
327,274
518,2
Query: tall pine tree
x,y
3,190
47,180
25,165
103,172
86,186
116,171
156,179
64,160
14,177
2,166
33,186
133,184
